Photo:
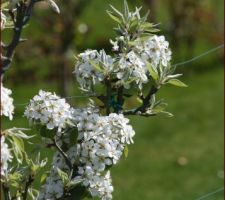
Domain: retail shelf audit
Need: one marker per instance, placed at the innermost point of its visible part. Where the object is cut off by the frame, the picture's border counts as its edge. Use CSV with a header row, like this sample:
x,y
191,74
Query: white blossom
x,y
86,74
7,108
53,188
101,142
156,48
131,67
98,185
6,156
49,110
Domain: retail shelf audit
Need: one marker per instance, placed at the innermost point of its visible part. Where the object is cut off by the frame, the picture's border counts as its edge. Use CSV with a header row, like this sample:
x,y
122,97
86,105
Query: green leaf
x,y
152,72
126,151
160,107
63,175
43,178
114,17
168,114
177,82
96,66
74,183
44,132
18,148
118,12
143,19
126,9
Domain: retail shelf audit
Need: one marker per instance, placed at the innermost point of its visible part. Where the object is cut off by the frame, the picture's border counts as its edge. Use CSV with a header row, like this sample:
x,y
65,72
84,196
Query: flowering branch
x,y
88,143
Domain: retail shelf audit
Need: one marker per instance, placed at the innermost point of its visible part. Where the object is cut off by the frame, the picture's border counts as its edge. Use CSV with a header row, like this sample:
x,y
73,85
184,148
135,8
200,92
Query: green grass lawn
x,y
151,171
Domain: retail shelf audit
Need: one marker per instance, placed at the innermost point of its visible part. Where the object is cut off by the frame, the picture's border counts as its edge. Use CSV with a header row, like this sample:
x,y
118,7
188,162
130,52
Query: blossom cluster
x,y
156,50
50,110
86,73
99,185
132,67
53,188
7,107
6,156
101,143
126,67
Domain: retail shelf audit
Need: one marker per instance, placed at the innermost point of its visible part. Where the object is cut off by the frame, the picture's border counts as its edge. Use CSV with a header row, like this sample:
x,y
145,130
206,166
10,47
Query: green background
x,y
153,169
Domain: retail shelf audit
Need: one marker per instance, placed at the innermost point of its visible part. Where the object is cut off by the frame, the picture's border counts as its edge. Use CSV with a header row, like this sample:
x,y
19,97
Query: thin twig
x,y
63,154
141,110
108,96
120,99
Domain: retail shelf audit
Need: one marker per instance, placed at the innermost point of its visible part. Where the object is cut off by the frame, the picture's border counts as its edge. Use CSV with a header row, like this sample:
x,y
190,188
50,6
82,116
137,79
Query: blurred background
x,y
172,158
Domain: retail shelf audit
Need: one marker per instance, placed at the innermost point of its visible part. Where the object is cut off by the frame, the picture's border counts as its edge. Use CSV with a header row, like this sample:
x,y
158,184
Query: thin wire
x,y
178,64
199,56
210,194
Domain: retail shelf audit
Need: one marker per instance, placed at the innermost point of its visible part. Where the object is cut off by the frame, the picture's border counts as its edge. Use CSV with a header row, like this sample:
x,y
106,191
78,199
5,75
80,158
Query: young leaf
x,y
118,12
177,82
43,178
74,182
54,6
160,107
18,148
152,72
126,9
114,17
126,151
63,175
97,67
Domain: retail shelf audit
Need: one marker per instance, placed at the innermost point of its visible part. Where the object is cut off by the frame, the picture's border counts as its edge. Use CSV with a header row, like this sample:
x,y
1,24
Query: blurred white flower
x,y
7,108
5,156
82,28
156,48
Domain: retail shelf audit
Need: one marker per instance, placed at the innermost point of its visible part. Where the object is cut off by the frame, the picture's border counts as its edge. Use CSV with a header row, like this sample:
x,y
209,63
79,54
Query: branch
x,y
28,184
63,154
6,192
141,110
22,17
108,96
120,99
